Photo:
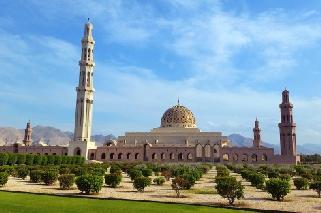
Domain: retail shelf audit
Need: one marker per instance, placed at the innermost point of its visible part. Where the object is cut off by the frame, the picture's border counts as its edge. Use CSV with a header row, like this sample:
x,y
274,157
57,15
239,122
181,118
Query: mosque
x,y
176,140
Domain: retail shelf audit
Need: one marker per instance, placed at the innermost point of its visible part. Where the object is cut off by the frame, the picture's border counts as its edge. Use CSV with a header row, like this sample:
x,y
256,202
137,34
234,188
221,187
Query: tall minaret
x,y
85,95
257,135
28,135
287,126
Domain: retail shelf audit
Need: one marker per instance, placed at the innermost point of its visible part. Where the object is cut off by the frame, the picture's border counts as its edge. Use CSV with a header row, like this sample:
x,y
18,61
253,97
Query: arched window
x,y
171,156
103,156
254,158
207,151
136,156
163,156
120,156
92,156
215,151
226,157
264,157
189,156
180,156
154,156
77,151
111,156
235,157
199,150
128,156
245,157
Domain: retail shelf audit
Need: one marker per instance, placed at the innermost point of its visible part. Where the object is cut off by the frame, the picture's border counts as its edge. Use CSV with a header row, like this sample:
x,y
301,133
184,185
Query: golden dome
x,y
178,116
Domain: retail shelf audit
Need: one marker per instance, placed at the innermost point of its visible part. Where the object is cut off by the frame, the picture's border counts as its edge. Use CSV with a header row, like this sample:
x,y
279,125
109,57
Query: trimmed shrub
x,y
140,183
147,172
3,178
89,183
29,159
134,173
21,159
51,160
22,172
190,180
4,157
286,177
12,159
66,181
115,168
301,183
316,186
49,177
257,180
113,179
178,185
8,169
57,160
228,187
36,176
278,188
273,173
37,160
44,160
223,172
98,171
159,181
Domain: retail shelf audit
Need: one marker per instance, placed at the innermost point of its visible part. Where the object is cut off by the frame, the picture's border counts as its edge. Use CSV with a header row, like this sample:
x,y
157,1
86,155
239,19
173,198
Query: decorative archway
x,y
154,156
235,157
264,157
207,149
103,156
120,156
254,158
226,157
245,157
171,156
199,151
180,157
77,151
163,156
128,156
189,156
136,156
92,156
111,156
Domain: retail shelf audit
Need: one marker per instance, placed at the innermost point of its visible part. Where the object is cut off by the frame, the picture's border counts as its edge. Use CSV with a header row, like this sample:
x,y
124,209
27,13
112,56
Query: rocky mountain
x,y
50,135
239,140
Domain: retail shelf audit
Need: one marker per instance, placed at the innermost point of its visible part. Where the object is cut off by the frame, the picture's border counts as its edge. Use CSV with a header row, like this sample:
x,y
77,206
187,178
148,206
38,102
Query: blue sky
x,y
228,61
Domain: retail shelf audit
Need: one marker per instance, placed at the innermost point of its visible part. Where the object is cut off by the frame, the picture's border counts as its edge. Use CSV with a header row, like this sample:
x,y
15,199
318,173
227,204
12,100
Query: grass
x,y
23,202
207,191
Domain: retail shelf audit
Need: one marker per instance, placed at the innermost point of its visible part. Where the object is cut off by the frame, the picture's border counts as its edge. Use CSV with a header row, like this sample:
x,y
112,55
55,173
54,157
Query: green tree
x,y
4,157
228,187
316,186
113,179
278,188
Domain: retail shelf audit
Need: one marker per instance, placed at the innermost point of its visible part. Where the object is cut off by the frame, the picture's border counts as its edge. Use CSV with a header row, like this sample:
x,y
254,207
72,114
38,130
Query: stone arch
x,y
163,156
128,155
120,156
235,157
264,157
189,156
226,157
92,156
180,157
111,156
136,156
199,151
77,151
171,156
245,157
103,156
254,157
207,149
154,156
215,151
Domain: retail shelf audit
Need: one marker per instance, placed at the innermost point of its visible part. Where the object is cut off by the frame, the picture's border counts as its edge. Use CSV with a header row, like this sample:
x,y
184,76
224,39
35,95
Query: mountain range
x,y
54,136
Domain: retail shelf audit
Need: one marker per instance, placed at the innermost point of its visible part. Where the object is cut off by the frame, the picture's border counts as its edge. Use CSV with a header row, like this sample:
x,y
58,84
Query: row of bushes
x,y
31,159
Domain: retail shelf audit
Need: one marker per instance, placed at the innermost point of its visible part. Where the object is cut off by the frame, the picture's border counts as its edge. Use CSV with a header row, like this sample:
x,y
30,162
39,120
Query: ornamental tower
x,y
28,135
257,135
287,126
85,95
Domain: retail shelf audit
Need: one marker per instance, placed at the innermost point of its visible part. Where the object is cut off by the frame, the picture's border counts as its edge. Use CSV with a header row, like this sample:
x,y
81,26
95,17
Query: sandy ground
x,y
296,201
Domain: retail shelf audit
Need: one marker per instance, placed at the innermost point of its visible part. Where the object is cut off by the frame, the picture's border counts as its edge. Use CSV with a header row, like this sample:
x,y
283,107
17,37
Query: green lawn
x,y
21,202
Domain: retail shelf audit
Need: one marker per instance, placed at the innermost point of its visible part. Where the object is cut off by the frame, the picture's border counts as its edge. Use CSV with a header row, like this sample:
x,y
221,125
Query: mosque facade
x,y
176,140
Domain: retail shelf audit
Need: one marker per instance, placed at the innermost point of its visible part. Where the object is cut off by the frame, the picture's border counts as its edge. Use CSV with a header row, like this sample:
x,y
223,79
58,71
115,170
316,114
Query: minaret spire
x,y
28,135
287,126
257,134
85,93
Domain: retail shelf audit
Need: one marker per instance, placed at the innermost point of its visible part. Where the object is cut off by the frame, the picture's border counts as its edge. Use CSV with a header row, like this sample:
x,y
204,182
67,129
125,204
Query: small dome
x,y
110,142
178,116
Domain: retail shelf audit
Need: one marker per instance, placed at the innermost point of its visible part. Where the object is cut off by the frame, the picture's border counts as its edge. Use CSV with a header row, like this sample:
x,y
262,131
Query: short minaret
x,y
28,135
257,135
287,126
85,95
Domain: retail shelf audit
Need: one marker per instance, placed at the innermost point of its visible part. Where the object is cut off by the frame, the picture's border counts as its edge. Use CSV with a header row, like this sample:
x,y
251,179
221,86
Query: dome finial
x,y
178,101
88,19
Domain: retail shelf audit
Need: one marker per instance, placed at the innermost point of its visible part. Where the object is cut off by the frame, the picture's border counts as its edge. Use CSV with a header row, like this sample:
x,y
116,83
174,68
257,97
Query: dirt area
x,y
202,193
